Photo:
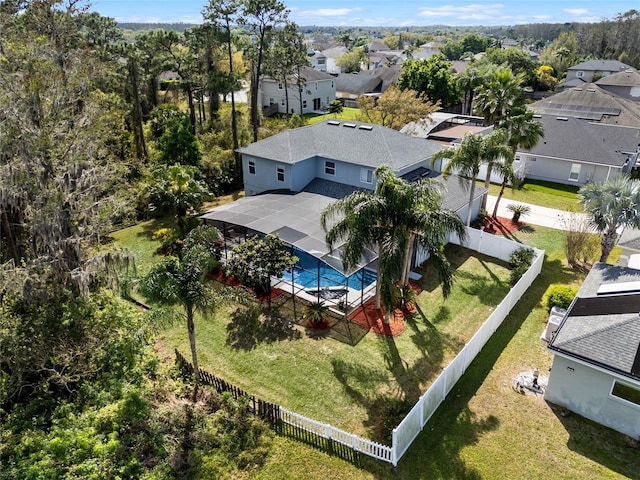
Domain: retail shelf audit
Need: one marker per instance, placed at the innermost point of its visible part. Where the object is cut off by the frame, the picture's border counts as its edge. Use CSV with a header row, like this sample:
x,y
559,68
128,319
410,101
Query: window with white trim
x,y
366,175
626,392
252,167
280,87
304,104
280,174
329,167
282,102
316,86
579,74
574,176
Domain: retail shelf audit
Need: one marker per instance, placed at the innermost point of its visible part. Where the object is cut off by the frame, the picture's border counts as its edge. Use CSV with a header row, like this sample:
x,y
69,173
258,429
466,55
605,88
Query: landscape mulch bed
x,y
501,225
234,282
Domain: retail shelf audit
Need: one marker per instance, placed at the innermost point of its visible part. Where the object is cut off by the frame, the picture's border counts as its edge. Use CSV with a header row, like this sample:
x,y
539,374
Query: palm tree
x,y
496,100
522,132
389,221
469,81
466,159
182,282
610,206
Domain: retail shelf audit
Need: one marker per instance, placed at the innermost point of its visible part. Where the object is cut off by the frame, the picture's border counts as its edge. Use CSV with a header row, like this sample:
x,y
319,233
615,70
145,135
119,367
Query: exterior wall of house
x,y
266,175
560,171
316,95
587,391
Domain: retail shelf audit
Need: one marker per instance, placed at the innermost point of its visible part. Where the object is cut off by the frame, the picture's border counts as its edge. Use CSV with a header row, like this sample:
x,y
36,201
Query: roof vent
x,y
333,122
350,125
564,119
537,115
620,287
365,127
592,90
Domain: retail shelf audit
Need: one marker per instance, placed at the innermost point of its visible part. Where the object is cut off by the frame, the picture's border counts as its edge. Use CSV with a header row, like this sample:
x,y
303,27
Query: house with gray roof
x,y
309,91
591,70
577,152
622,84
290,177
596,351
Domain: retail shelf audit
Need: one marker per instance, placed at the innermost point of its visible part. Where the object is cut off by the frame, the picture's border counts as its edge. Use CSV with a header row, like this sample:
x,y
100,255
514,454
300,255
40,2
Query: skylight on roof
x,y
365,127
333,122
350,125
620,287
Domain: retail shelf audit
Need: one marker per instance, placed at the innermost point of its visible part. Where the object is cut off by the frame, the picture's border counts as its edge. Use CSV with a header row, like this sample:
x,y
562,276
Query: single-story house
x,y
577,152
317,90
596,351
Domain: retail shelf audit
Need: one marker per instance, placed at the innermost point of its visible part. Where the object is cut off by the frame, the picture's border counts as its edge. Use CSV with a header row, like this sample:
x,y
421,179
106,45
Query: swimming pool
x,y
308,267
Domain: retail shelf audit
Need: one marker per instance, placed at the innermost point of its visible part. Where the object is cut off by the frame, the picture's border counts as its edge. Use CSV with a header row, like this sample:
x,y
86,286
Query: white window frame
x,y
304,104
252,167
280,174
622,399
329,167
580,74
366,175
574,175
282,102
280,87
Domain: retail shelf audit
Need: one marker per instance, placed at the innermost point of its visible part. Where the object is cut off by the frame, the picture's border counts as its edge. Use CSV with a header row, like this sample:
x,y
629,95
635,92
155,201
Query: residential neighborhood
x,y
281,239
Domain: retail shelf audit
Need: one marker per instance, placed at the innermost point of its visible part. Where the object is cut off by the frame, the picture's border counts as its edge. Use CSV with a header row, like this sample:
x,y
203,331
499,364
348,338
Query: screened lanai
x,y
296,219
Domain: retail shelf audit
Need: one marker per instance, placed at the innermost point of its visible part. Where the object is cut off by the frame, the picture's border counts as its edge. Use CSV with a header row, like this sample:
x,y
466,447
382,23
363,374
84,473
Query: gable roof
x,y
308,74
591,142
601,66
388,75
350,142
603,330
579,102
358,84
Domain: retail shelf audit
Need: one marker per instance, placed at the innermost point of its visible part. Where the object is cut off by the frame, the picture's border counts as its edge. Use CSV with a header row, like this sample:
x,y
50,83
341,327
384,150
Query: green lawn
x,y
546,194
347,114
353,387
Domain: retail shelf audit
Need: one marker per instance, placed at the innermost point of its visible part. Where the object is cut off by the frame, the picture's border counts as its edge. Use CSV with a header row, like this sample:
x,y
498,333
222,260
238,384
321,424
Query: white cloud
x,y
576,11
474,11
329,12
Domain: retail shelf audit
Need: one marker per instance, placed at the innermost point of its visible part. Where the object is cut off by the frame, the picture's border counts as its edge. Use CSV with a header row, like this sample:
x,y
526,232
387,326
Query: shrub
x,y
518,210
560,296
519,261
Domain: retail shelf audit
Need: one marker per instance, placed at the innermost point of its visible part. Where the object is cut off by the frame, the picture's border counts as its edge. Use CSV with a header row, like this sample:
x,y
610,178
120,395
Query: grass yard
x,y
357,388
347,114
546,194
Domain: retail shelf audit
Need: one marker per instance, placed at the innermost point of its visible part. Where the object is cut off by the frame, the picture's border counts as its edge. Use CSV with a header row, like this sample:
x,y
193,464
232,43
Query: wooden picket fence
x,y
285,422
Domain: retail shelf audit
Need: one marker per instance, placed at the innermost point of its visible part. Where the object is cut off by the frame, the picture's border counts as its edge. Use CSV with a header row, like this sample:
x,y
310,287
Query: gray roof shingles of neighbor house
x,y
602,326
358,143
588,142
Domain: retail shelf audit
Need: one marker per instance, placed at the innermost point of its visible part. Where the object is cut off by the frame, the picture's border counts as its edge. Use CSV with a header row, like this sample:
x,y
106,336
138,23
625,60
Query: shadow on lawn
x,y
436,451
600,444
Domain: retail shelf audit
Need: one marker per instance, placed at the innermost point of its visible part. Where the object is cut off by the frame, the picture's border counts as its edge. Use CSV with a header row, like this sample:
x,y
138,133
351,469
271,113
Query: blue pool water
x,y
306,271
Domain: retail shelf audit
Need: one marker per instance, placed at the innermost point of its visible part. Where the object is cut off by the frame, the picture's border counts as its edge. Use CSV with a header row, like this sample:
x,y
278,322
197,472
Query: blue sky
x,y
385,12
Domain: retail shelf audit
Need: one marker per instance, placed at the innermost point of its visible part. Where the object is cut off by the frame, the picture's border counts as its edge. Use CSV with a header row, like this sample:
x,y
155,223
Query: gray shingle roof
x,y
601,66
629,78
574,139
358,84
608,340
372,146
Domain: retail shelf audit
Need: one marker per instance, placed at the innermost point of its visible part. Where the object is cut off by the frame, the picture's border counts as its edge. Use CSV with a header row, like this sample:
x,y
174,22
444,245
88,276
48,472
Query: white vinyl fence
x,y
411,426
405,433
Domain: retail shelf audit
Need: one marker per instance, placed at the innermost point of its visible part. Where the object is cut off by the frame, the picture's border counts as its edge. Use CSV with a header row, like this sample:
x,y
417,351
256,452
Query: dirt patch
x,y
501,225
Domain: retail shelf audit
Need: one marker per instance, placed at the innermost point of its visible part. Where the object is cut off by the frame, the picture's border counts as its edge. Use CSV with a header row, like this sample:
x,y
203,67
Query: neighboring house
x,y
349,86
594,102
332,55
590,71
622,84
317,91
596,351
318,60
577,152
446,128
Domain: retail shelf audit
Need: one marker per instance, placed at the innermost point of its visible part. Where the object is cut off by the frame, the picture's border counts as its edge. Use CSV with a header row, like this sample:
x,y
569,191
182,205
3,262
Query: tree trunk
x,y
408,254
192,109
487,182
138,131
471,193
607,243
234,123
378,280
286,97
7,233
191,327
495,208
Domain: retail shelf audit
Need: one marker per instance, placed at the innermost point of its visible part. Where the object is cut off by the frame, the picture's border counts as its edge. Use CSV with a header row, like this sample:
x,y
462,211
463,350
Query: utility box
x,y
555,317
